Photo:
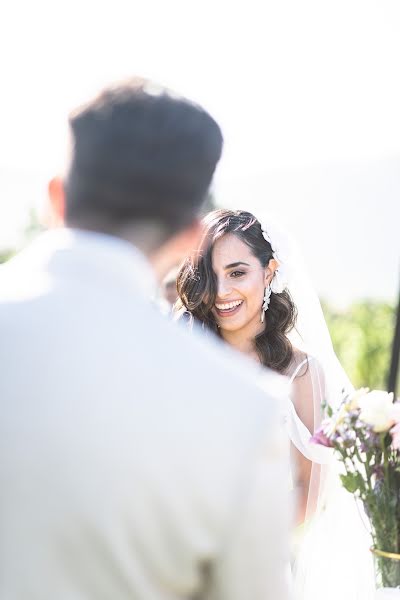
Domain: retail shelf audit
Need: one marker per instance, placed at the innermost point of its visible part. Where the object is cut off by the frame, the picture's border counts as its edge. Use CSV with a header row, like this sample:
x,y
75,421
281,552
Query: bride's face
x,y
240,284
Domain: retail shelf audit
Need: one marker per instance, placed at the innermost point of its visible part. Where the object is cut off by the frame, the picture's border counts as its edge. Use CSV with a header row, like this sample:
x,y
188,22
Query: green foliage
x,y
5,255
350,482
362,337
31,230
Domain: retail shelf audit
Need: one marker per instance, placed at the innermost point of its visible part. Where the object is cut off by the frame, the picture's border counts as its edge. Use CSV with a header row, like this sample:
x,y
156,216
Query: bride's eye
x,y
236,274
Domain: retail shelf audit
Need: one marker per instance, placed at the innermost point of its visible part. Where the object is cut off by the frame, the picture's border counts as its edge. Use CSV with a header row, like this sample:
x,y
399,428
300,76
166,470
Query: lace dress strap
x,y
298,368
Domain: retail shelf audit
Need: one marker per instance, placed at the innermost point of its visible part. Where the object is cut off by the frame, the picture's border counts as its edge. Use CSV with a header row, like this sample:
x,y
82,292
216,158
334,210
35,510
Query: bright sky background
x,y
307,93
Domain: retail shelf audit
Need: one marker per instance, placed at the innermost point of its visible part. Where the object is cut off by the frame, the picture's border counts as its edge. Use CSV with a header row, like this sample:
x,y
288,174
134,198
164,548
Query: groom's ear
x,y
56,213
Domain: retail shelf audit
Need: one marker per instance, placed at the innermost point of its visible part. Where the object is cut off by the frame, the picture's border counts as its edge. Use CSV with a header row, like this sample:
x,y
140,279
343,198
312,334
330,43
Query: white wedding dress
x,y
331,556
332,559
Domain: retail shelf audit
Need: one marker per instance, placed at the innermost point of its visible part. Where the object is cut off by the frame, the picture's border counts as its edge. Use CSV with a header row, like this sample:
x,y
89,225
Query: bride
x,y
247,285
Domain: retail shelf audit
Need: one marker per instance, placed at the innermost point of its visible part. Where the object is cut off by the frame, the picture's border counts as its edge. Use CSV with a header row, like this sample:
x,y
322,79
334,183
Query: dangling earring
x,y
267,300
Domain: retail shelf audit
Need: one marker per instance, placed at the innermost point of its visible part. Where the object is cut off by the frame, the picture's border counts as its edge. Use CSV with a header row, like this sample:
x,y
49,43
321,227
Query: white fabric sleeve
x,y
300,437
254,563
303,417
308,395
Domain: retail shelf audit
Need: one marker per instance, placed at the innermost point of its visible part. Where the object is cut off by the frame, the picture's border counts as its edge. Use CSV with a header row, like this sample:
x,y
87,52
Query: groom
x,y
135,461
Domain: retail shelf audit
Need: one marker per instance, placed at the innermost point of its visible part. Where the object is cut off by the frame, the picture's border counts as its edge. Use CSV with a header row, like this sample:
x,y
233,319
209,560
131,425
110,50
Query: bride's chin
x,y
228,327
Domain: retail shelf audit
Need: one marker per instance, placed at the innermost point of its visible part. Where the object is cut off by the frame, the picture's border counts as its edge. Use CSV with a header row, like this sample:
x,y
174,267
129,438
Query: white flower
x,y
280,280
353,402
378,410
266,235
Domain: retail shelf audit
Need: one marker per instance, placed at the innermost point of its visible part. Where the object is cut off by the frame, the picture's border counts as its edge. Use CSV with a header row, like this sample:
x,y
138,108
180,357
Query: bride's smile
x,y
227,309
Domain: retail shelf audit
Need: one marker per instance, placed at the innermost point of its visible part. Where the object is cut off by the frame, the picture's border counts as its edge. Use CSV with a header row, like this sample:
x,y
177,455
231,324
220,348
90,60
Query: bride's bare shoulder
x,y
302,363
305,368
299,363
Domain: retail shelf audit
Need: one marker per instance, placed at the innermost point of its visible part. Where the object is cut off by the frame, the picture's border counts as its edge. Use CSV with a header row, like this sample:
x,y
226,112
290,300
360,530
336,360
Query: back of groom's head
x,y
139,154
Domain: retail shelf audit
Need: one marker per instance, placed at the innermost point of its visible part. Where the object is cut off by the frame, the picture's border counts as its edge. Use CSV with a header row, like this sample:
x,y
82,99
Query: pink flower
x,y
321,438
396,412
395,431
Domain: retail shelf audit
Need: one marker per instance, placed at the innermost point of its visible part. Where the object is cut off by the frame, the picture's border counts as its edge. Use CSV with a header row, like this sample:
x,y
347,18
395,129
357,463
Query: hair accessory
x,y
267,299
280,279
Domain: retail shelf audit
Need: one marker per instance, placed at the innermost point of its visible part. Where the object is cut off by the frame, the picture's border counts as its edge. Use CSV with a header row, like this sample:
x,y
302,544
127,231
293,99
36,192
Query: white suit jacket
x,y
136,461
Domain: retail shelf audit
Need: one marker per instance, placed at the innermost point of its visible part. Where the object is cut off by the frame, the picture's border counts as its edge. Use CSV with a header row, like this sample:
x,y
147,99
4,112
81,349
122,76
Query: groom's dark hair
x,y
139,154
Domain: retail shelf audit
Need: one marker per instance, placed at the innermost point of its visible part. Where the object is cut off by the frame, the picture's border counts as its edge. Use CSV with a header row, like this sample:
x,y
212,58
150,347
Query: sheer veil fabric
x,y
331,555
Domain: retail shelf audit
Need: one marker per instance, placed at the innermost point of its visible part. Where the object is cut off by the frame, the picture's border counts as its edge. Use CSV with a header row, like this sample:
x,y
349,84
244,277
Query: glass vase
x,y
387,574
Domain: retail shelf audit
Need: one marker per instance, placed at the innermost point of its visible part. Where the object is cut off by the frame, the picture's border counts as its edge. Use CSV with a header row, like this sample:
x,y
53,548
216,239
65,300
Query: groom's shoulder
x,y
21,273
226,406
214,370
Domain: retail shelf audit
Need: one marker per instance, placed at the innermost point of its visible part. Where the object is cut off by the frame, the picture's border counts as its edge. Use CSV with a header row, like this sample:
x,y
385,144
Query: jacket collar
x,y
92,256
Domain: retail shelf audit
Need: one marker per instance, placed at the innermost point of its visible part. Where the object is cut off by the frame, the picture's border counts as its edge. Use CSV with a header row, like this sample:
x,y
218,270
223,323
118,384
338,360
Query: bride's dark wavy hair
x,y
197,287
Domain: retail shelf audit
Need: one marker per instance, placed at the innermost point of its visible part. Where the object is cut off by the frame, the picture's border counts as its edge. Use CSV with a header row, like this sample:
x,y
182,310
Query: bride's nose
x,y
224,287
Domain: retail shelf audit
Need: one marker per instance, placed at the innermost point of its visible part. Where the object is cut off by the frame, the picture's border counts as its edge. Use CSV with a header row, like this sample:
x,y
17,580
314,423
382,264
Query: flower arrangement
x,y
365,434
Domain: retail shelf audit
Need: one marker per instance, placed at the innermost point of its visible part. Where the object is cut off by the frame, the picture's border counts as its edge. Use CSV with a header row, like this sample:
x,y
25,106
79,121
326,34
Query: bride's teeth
x,y
228,305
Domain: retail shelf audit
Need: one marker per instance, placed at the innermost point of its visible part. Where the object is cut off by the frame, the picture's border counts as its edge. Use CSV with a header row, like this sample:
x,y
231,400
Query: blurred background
x,y
307,93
